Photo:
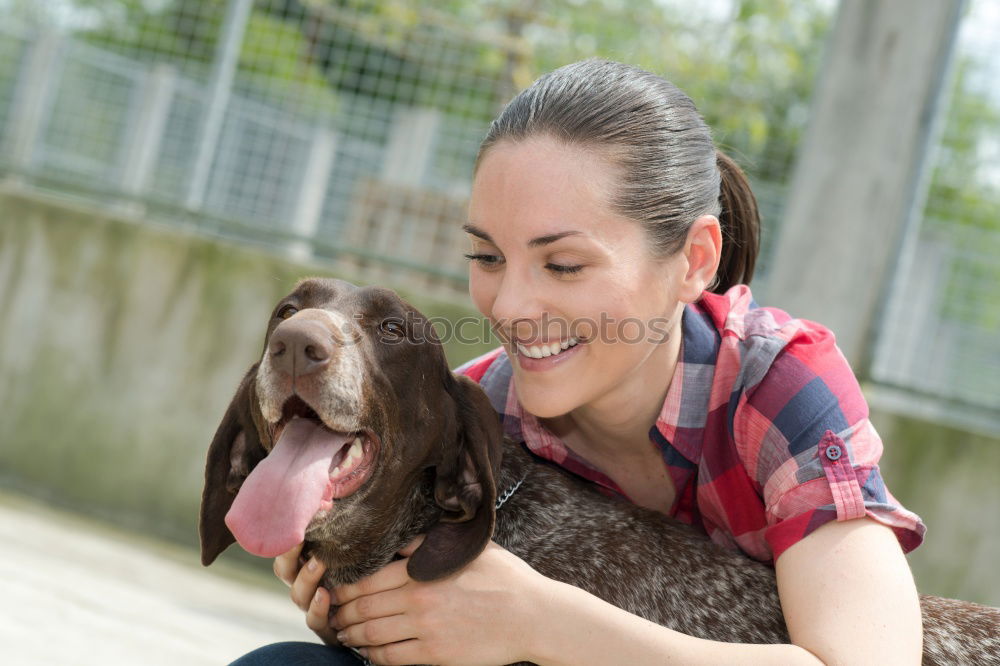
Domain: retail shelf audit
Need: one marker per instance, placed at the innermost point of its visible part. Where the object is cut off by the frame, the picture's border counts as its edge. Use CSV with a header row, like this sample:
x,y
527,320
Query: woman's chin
x,y
547,404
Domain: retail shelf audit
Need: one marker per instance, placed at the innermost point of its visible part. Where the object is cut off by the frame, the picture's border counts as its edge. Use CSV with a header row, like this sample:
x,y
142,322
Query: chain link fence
x,y
344,131
329,131
940,340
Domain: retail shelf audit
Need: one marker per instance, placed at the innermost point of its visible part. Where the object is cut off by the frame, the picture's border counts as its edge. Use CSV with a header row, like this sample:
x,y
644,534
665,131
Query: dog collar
x,y
505,495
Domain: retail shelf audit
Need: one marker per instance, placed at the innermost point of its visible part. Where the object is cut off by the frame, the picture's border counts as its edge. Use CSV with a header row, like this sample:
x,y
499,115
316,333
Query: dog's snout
x,y
300,346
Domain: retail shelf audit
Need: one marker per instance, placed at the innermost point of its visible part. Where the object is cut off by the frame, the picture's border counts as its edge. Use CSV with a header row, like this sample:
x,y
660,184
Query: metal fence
x,y
249,141
340,131
939,348
345,132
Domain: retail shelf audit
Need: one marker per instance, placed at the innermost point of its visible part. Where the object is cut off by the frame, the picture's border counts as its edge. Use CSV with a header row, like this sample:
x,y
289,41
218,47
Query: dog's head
x,y
349,418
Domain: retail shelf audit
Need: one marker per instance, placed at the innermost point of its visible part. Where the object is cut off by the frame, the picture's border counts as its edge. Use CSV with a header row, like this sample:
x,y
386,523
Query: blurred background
x,y
169,169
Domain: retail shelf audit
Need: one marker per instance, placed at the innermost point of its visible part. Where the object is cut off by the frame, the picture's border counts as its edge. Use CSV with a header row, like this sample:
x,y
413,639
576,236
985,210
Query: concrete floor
x,y
74,591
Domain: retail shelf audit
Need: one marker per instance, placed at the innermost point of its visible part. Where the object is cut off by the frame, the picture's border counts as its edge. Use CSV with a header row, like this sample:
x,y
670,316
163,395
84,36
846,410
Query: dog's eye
x,y
392,328
287,311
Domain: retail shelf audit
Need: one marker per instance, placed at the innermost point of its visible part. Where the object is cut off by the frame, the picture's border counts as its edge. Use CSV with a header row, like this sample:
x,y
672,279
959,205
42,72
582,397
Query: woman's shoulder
x,y
773,361
753,337
735,313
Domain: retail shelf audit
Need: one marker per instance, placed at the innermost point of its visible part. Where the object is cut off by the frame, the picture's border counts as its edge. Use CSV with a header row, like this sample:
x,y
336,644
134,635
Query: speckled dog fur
x,y
443,461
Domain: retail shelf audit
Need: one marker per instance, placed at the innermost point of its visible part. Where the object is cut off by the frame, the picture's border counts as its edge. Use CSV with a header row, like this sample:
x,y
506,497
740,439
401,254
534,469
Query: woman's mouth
x,y
542,356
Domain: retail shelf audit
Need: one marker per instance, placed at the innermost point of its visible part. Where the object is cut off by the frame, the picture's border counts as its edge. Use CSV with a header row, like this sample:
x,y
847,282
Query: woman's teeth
x,y
551,349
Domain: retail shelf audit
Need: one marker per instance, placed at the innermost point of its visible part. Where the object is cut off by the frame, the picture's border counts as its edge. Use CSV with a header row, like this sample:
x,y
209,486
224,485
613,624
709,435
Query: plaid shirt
x,y
764,430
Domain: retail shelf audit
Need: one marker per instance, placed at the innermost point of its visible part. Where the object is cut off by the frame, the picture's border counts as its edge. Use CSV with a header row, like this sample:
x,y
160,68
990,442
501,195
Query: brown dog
x,y
352,434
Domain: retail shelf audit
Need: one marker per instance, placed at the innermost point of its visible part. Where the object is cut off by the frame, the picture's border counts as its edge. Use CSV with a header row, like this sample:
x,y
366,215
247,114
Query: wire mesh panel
x,y
941,331
12,49
297,119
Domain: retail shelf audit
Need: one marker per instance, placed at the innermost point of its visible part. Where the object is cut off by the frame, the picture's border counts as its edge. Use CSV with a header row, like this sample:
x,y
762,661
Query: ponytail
x,y
740,221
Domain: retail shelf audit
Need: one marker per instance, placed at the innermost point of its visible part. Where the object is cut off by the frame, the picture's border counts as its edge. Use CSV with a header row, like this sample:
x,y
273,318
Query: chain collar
x,y
505,495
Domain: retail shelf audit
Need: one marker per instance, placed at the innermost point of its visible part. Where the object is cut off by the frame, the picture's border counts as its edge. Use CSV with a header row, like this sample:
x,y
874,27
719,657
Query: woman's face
x,y
552,263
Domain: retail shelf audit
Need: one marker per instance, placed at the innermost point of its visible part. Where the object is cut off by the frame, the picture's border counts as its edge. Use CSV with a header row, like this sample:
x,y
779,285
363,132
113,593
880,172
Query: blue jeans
x,y
299,654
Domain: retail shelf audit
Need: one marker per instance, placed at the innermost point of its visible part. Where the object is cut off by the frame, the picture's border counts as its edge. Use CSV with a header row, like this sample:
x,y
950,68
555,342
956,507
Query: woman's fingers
x,y
404,652
380,631
389,577
317,617
306,583
286,566
370,607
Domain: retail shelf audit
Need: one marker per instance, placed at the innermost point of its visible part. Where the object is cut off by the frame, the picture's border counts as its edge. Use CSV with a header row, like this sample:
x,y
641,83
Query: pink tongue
x,y
282,494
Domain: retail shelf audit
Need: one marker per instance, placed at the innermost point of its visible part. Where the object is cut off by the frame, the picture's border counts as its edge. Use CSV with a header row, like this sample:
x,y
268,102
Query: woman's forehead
x,y
539,188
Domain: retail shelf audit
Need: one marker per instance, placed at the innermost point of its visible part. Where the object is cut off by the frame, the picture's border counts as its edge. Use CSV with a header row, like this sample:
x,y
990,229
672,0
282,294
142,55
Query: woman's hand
x,y
306,591
483,614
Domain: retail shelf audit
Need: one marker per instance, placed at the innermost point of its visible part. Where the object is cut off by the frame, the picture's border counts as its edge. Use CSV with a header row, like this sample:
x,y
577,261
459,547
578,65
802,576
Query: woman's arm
x,y
848,595
846,591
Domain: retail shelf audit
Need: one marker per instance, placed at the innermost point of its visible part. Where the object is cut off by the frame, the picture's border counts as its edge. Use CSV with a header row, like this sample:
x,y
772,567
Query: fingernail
x,y
312,564
363,652
342,637
316,596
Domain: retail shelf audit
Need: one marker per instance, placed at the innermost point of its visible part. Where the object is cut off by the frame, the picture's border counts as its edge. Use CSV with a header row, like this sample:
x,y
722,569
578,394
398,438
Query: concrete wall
x,y
951,479
121,344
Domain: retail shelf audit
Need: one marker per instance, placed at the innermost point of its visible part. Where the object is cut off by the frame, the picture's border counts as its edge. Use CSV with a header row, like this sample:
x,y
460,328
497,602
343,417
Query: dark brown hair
x,y
671,171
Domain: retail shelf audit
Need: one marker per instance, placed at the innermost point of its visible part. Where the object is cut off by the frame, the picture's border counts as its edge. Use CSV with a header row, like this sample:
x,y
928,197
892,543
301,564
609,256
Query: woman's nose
x,y
517,304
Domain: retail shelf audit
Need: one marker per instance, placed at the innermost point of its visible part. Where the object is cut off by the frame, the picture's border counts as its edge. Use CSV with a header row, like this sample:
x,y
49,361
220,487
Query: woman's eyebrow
x,y
534,242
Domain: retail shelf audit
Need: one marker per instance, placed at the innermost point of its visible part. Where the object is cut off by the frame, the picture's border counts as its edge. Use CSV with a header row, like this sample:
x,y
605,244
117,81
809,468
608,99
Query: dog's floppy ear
x,y
235,451
465,487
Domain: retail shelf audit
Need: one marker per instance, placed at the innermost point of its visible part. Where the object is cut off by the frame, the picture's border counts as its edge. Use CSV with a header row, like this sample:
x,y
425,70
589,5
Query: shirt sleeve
x,y
804,434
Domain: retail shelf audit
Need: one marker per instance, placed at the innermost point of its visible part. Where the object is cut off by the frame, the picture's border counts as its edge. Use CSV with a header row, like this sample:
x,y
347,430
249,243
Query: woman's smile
x,y
542,357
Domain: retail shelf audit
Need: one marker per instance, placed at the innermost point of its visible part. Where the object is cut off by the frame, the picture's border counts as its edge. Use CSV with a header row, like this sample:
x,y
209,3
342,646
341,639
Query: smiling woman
x,y
611,245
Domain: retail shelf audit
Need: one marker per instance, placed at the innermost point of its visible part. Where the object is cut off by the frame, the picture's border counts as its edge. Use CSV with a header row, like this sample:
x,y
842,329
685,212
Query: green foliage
x,y
964,200
276,54
965,189
749,65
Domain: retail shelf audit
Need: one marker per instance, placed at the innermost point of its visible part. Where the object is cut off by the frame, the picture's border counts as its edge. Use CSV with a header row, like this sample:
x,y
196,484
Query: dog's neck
x,y
371,557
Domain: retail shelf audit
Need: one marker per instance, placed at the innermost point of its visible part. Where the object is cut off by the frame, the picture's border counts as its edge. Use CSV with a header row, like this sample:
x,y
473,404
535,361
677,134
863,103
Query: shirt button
x,y
833,452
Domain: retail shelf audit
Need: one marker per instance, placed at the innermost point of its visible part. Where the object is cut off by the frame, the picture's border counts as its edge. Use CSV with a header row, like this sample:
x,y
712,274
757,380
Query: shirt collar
x,y
685,409
682,418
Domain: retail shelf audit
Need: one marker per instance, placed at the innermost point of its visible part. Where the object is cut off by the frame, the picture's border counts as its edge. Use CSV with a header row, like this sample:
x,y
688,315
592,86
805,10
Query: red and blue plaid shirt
x,y
764,430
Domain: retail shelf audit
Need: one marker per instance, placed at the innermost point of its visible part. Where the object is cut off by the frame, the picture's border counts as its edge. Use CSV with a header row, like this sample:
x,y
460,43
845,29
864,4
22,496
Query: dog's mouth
x,y
309,467
352,462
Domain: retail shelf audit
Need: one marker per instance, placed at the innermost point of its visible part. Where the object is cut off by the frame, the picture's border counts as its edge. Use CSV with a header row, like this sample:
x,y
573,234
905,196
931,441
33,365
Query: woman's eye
x,y
562,269
485,260
287,311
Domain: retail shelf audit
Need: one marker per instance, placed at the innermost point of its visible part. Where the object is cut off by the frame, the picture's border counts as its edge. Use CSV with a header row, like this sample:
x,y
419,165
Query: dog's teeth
x,y
356,450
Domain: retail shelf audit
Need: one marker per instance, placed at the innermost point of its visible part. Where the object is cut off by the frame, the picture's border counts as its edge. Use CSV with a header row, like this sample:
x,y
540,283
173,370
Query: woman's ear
x,y
702,250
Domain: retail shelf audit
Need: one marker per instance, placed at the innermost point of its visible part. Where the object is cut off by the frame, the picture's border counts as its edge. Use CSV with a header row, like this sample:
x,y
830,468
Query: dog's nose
x,y
300,346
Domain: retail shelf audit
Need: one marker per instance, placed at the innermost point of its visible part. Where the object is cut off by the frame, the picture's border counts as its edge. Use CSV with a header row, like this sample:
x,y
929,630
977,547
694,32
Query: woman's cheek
x,y
480,293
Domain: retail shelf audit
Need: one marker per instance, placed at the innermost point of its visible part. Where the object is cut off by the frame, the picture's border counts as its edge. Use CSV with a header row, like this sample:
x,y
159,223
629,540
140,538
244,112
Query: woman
x,y
610,240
